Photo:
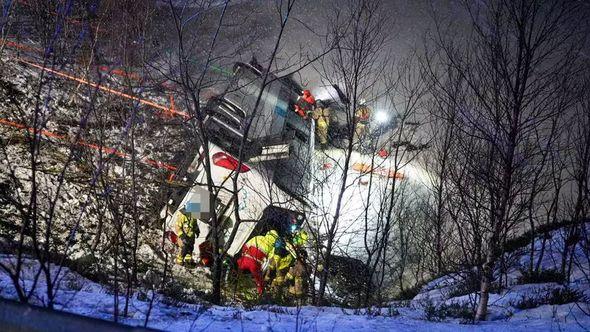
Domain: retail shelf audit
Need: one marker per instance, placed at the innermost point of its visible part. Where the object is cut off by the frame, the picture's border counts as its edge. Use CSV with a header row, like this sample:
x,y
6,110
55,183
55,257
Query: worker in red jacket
x,y
255,254
305,104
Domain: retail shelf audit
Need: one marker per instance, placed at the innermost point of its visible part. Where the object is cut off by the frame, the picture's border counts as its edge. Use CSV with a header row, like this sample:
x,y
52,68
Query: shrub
x,y
175,294
430,312
471,284
543,276
74,284
555,297
527,303
374,311
468,286
453,310
348,281
409,293
565,295
462,311
392,311
541,230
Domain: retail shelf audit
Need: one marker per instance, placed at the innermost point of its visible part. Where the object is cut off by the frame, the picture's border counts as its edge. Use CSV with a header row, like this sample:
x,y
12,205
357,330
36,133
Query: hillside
x,y
440,306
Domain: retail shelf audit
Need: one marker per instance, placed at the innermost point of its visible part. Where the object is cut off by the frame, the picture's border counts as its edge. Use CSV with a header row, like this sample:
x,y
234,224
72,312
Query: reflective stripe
x,y
186,225
254,253
264,243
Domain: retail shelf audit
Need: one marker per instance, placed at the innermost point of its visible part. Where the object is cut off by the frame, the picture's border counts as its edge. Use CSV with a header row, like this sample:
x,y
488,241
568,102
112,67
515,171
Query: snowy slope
x,y
79,295
507,304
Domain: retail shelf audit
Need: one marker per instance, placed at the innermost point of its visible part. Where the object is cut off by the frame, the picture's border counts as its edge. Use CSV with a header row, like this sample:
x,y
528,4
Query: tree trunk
x,y
217,269
486,281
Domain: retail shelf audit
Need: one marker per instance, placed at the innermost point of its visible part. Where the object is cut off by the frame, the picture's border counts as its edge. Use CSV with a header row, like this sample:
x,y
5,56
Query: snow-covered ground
x,y
82,296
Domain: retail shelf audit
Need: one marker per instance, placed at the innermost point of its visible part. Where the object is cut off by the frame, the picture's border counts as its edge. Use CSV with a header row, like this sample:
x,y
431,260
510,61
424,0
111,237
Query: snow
x,y
505,305
79,295
82,296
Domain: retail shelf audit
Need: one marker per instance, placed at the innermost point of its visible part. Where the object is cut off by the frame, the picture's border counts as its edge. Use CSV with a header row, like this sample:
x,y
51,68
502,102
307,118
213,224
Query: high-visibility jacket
x,y
362,114
300,239
186,225
264,243
280,263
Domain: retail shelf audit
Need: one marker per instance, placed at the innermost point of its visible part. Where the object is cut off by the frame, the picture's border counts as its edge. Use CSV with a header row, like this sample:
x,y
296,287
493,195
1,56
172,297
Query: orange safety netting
x,y
170,111
167,110
111,151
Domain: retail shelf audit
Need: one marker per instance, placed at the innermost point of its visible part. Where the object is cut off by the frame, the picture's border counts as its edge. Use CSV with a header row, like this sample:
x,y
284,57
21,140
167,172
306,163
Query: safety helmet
x,y
300,238
273,233
306,92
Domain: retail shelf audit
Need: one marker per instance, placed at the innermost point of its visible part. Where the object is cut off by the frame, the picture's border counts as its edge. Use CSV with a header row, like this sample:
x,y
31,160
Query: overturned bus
x,y
274,177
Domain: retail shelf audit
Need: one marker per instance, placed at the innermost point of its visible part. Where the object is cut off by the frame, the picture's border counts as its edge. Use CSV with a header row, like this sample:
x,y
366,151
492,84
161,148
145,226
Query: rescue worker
x,y
298,276
206,253
362,115
187,230
321,115
280,259
283,256
255,254
305,104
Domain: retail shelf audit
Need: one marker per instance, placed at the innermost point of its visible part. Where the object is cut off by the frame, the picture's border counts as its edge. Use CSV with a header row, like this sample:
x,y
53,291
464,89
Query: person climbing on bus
x,y
361,115
321,115
187,230
255,254
305,104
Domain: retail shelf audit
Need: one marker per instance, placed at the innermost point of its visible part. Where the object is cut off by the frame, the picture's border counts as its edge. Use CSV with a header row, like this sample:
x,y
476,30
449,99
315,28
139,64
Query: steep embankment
x,y
441,306
519,295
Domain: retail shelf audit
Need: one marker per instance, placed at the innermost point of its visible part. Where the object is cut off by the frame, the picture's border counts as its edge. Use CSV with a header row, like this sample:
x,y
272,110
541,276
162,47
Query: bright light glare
x,y
325,93
381,117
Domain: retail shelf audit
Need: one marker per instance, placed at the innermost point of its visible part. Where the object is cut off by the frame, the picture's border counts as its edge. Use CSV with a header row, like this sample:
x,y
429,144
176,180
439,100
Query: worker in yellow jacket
x,y
298,275
283,257
187,230
321,115
280,260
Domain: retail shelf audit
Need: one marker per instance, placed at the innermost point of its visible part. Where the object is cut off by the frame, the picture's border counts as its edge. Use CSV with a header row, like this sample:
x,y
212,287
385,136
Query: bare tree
x,y
355,64
5,21
579,175
517,53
